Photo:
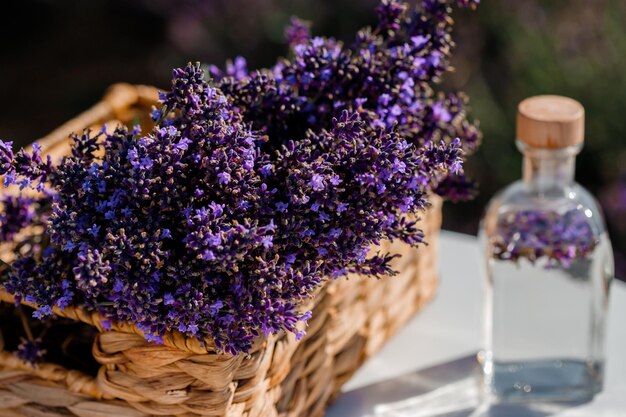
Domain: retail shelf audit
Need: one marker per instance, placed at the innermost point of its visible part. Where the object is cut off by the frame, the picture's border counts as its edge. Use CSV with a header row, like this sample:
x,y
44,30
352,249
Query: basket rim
x,y
75,380
172,339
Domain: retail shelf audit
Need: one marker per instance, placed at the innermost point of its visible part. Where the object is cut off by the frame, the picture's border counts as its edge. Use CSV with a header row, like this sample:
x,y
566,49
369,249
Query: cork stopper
x,y
550,122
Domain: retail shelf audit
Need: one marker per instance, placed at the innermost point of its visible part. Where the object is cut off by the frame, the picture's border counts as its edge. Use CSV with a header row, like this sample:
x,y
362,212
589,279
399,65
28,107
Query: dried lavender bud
x,y
558,237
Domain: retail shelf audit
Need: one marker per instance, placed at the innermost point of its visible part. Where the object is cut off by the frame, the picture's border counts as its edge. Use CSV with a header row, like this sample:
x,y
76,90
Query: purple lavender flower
x,y
238,68
30,351
28,170
16,214
298,32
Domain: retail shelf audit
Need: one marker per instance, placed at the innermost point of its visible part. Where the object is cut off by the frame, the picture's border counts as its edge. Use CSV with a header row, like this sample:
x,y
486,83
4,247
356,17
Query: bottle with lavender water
x,y
549,265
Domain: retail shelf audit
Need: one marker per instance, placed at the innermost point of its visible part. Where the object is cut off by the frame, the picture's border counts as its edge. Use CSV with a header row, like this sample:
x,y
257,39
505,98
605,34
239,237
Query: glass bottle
x,y
549,265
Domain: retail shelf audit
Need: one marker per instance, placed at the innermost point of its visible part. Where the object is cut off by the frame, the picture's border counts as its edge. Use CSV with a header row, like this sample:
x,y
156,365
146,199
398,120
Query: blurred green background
x,y
58,57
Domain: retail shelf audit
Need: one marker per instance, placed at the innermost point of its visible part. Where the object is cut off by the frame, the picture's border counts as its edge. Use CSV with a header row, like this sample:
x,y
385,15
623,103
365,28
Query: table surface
x,y
429,368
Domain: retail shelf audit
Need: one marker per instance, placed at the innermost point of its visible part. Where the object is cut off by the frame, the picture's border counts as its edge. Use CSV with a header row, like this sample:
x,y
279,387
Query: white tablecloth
x,y
429,367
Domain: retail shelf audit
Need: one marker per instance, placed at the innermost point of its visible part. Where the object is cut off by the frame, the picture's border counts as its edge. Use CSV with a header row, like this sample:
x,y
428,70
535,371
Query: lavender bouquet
x,y
252,189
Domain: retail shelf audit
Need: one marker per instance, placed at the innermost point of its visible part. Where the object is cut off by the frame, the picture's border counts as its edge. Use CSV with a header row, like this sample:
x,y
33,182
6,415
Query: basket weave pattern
x,y
352,319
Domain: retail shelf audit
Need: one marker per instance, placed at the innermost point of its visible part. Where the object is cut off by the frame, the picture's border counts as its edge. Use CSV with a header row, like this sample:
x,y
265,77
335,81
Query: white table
x,y
429,369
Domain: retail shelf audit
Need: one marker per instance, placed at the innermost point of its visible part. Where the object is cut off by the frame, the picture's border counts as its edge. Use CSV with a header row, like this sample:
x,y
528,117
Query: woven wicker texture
x,y
352,319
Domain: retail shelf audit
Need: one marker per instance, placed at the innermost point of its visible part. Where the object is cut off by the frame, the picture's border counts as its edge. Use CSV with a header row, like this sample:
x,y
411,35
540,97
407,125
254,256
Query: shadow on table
x,y
447,390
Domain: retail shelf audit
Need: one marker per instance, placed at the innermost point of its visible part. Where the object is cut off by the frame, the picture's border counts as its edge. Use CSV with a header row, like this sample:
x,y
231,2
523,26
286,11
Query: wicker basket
x,y
352,319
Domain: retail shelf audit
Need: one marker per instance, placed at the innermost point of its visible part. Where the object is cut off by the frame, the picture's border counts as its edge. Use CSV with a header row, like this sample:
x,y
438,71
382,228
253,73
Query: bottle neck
x,y
548,169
